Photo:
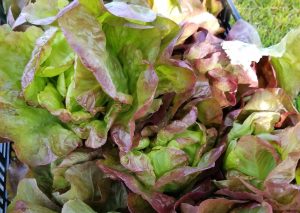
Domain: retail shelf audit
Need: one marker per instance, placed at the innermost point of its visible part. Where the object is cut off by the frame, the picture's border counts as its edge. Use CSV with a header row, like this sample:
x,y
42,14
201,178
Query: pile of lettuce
x,y
146,106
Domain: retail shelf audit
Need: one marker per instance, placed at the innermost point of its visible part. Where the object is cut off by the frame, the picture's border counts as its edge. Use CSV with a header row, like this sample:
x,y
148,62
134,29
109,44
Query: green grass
x,y
272,18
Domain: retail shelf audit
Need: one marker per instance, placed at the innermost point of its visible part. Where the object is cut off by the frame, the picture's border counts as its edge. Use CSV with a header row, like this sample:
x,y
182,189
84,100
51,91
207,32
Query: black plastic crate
x,y
4,163
5,150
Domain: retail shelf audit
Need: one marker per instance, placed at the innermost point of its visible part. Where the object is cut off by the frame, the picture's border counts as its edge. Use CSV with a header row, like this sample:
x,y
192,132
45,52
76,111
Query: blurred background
x,y
272,18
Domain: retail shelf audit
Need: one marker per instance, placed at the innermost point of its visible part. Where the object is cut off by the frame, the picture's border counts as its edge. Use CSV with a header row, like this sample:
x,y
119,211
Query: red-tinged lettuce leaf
x,y
200,93
97,58
224,86
218,205
226,80
202,20
264,207
123,130
23,207
184,207
38,137
245,32
159,118
177,178
283,57
165,159
84,101
284,173
213,116
192,15
176,127
96,7
199,192
279,187
266,73
39,133
283,197
129,50
224,205
76,206
241,193
41,12
180,152
207,42
14,174
234,184
239,184
251,156
160,202
123,136
206,54
132,12
289,141
140,164
59,167
131,46
86,89
95,132
137,204
30,194
88,183
145,91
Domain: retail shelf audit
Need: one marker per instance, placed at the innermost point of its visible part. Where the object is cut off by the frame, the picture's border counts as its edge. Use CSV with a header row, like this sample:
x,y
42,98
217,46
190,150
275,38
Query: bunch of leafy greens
x,y
143,106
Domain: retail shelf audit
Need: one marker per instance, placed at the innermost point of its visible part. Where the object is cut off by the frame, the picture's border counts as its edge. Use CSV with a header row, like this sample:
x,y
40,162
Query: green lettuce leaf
x,y
270,99
86,89
76,206
251,156
289,141
174,79
37,133
51,57
256,123
30,194
93,52
111,166
59,167
131,11
41,12
84,181
287,66
140,163
174,157
94,6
